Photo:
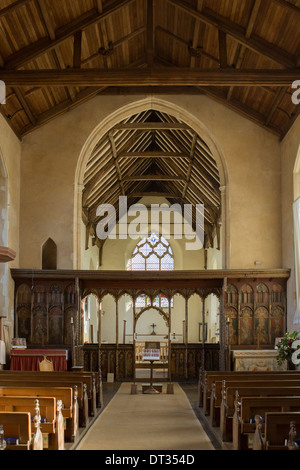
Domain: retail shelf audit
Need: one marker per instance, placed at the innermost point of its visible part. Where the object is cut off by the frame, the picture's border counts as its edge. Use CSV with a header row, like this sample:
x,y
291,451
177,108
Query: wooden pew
x,y
243,423
209,377
218,389
50,411
66,395
26,381
232,394
89,378
18,425
277,429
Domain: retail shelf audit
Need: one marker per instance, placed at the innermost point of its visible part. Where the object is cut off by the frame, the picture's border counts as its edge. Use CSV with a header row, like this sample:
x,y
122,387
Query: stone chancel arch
x,y
153,152
145,153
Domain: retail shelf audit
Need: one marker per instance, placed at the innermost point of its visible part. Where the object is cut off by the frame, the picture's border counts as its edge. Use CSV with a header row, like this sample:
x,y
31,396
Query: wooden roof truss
x,y
152,155
57,54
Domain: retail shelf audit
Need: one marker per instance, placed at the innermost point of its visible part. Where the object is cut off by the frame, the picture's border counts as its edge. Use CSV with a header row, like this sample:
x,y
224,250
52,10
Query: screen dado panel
x,y
117,360
120,360
45,312
255,310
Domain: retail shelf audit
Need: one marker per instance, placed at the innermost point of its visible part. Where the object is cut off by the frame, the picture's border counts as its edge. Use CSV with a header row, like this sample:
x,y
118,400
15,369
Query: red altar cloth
x,y
28,359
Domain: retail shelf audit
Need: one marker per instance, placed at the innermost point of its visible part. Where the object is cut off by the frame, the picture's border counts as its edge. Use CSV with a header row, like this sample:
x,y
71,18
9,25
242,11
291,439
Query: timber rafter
x,y
152,155
114,47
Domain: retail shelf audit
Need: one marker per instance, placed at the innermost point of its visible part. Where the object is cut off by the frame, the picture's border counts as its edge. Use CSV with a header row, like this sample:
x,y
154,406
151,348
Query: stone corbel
x,y
6,254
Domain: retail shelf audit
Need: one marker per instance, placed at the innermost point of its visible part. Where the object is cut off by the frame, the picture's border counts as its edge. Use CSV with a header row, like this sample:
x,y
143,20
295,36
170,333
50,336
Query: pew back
x,y
278,388
43,382
251,406
27,404
210,379
63,377
277,428
233,393
17,426
65,394
244,422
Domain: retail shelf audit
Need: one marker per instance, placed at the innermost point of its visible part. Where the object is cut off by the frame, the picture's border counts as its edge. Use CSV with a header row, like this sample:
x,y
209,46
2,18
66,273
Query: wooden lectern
x,y
151,354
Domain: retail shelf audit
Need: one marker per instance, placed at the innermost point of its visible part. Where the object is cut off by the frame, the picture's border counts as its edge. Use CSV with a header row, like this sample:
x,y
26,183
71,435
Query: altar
x,y
256,360
28,359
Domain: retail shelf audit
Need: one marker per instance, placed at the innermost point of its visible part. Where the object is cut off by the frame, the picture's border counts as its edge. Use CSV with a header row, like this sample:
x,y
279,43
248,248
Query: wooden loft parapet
x,y
147,275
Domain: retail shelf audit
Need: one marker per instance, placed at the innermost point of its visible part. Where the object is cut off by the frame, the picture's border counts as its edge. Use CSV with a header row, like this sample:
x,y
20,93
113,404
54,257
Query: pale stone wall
x,y
249,159
290,192
10,155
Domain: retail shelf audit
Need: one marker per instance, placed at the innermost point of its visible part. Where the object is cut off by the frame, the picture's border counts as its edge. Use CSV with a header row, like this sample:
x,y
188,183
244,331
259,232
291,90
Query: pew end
x,y
37,438
258,440
17,430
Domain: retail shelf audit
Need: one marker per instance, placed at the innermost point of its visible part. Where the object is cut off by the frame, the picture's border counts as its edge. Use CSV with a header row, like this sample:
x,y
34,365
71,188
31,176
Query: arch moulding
x,y
126,112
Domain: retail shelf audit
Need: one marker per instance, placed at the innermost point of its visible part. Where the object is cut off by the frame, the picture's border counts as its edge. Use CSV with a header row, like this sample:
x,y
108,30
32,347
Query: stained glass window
x,y
152,254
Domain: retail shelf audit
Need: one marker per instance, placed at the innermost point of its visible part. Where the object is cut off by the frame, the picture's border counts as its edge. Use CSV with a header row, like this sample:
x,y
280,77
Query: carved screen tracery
x,y
246,295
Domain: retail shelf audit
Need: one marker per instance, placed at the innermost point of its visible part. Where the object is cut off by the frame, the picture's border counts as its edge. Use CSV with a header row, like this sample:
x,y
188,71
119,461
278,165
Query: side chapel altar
x,y
29,359
256,360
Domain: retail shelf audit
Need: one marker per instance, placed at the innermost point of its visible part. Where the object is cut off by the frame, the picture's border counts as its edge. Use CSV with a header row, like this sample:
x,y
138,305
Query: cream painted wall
x,y
252,158
289,151
10,154
49,160
250,155
144,329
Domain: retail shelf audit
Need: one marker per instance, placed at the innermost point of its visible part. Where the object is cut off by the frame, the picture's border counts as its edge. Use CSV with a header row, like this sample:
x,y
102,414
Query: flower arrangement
x,y
285,347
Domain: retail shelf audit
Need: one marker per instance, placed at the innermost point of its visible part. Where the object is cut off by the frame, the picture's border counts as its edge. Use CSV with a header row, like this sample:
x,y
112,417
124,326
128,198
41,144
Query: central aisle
x,y
147,422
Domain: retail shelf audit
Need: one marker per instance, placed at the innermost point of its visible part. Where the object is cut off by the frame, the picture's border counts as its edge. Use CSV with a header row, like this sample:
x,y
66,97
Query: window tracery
x,y
152,253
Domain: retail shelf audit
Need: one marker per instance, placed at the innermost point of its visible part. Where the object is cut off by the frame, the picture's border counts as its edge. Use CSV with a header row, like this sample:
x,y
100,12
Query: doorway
x,y
152,328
